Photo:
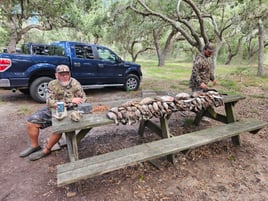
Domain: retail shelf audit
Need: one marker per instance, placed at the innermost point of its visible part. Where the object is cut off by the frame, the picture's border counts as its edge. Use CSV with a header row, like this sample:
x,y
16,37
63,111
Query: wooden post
x,y
70,145
231,117
198,117
142,127
166,134
75,146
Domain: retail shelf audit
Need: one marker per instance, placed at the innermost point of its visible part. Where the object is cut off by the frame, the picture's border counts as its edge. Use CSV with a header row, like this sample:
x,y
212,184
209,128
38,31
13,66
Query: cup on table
x,y
60,107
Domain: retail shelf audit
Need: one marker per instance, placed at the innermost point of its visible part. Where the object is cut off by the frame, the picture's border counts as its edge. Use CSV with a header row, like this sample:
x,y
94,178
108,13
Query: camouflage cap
x,y
210,47
62,68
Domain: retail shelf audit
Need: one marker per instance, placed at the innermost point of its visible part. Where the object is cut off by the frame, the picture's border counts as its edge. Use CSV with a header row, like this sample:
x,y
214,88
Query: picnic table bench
x,y
167,146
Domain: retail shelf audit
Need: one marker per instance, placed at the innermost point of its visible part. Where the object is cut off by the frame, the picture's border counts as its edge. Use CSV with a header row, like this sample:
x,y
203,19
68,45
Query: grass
x,y
175,76
24,110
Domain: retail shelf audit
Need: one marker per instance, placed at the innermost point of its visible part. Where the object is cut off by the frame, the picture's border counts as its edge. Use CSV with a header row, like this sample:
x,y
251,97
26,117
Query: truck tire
x,y
132,82
38,89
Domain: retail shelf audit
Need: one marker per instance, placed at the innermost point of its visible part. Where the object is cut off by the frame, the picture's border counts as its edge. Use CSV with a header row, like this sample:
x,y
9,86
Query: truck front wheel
x,y
38,89
132,82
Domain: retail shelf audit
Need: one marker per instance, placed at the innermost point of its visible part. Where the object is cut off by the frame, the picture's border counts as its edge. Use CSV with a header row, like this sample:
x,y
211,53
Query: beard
x,y
64,84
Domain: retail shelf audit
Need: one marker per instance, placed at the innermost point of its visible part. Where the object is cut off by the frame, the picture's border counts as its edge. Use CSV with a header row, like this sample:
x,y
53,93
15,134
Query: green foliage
x,y
19,17
175,77
232,158
128,33
169,71
229,85
93,20
3,37
24,110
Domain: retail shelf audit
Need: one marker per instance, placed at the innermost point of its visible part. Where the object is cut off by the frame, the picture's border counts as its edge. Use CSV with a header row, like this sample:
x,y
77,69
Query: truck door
x,y
110,68
85,68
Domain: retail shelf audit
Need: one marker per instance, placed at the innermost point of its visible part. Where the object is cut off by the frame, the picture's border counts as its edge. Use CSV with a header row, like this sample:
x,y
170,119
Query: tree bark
x,y
161,54
261,49
157,46
231,53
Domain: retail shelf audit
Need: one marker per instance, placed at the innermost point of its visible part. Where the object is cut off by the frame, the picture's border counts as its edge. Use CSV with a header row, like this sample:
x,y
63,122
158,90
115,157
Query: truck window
x,y
84,52
18,50
42,49
106,54
56,50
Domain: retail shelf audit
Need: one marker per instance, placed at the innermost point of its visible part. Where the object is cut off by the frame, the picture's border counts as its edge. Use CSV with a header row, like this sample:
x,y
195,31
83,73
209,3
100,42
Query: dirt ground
x,y
216,172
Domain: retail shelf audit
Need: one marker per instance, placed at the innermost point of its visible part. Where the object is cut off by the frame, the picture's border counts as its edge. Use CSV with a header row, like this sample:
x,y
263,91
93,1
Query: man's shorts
x,y
43,117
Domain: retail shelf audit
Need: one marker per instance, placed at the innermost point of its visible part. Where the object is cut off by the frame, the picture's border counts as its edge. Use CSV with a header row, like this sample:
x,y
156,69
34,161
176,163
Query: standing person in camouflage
x,y
65,89
201,72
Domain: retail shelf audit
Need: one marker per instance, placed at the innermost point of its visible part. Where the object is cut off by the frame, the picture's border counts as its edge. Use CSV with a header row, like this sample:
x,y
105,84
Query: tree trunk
x,y
233,53
215,55
14,38
157,47
161,54
162,59
261,49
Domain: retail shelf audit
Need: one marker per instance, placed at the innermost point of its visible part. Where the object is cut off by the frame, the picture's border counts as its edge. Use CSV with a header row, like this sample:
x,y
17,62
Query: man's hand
x,y
77,101
203,86
214,82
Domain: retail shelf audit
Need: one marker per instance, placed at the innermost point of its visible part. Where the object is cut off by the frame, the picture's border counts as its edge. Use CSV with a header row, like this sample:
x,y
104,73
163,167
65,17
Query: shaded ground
x,y
219,171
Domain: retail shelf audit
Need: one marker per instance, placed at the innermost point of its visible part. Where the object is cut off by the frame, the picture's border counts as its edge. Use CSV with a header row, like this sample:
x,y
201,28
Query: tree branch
x,y
200,19
166,19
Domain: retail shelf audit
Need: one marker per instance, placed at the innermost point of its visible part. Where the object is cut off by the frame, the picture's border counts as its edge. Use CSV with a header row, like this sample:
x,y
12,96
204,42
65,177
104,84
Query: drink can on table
x,y
60,106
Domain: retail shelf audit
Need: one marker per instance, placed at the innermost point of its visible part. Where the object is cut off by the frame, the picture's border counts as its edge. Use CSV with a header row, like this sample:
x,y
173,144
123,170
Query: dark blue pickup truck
x,y
94,66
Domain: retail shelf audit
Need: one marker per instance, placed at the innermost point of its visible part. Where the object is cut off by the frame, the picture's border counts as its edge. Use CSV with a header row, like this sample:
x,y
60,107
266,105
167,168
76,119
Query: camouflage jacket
x,y
201,72
57,92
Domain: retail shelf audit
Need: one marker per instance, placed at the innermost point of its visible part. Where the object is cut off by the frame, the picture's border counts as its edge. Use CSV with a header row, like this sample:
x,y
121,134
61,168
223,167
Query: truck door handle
x,y
101,65
77,64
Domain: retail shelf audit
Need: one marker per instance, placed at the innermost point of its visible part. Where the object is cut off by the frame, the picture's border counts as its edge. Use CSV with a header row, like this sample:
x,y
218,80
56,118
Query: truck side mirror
x,y
118,60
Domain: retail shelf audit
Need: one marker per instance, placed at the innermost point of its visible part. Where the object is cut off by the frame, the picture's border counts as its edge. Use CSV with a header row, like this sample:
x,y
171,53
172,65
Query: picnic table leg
x,y
198,117
72,141
166,134
82,133
231,117
142,127
75,146
72,145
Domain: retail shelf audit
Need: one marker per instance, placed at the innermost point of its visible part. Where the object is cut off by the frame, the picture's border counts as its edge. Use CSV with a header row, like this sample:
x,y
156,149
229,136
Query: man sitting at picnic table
x,y
65,89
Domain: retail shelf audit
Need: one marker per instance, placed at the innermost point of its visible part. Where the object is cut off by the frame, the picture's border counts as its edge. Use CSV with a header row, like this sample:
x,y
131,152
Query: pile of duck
x,y
163,106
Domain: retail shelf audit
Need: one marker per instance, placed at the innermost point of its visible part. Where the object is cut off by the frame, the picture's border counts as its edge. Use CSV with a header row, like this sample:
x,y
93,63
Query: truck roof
x,y
75,43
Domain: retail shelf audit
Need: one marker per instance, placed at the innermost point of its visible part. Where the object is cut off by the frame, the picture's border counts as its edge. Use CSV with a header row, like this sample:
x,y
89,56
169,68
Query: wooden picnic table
x,y
76,131
229,117
168,145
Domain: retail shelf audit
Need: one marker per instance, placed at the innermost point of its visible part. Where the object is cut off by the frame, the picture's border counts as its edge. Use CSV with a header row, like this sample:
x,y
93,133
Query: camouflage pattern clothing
x,y
201,72
43,117
56,92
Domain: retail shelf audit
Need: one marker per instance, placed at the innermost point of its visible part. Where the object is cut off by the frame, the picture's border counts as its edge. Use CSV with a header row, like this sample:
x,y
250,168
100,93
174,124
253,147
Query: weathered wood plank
x,y
88,121
232,98
70,149
97,165
81,134
99,119
229,102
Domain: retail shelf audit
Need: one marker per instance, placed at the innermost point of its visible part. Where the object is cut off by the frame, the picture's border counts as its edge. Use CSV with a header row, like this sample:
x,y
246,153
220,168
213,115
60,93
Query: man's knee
x,y
57,134
32,125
